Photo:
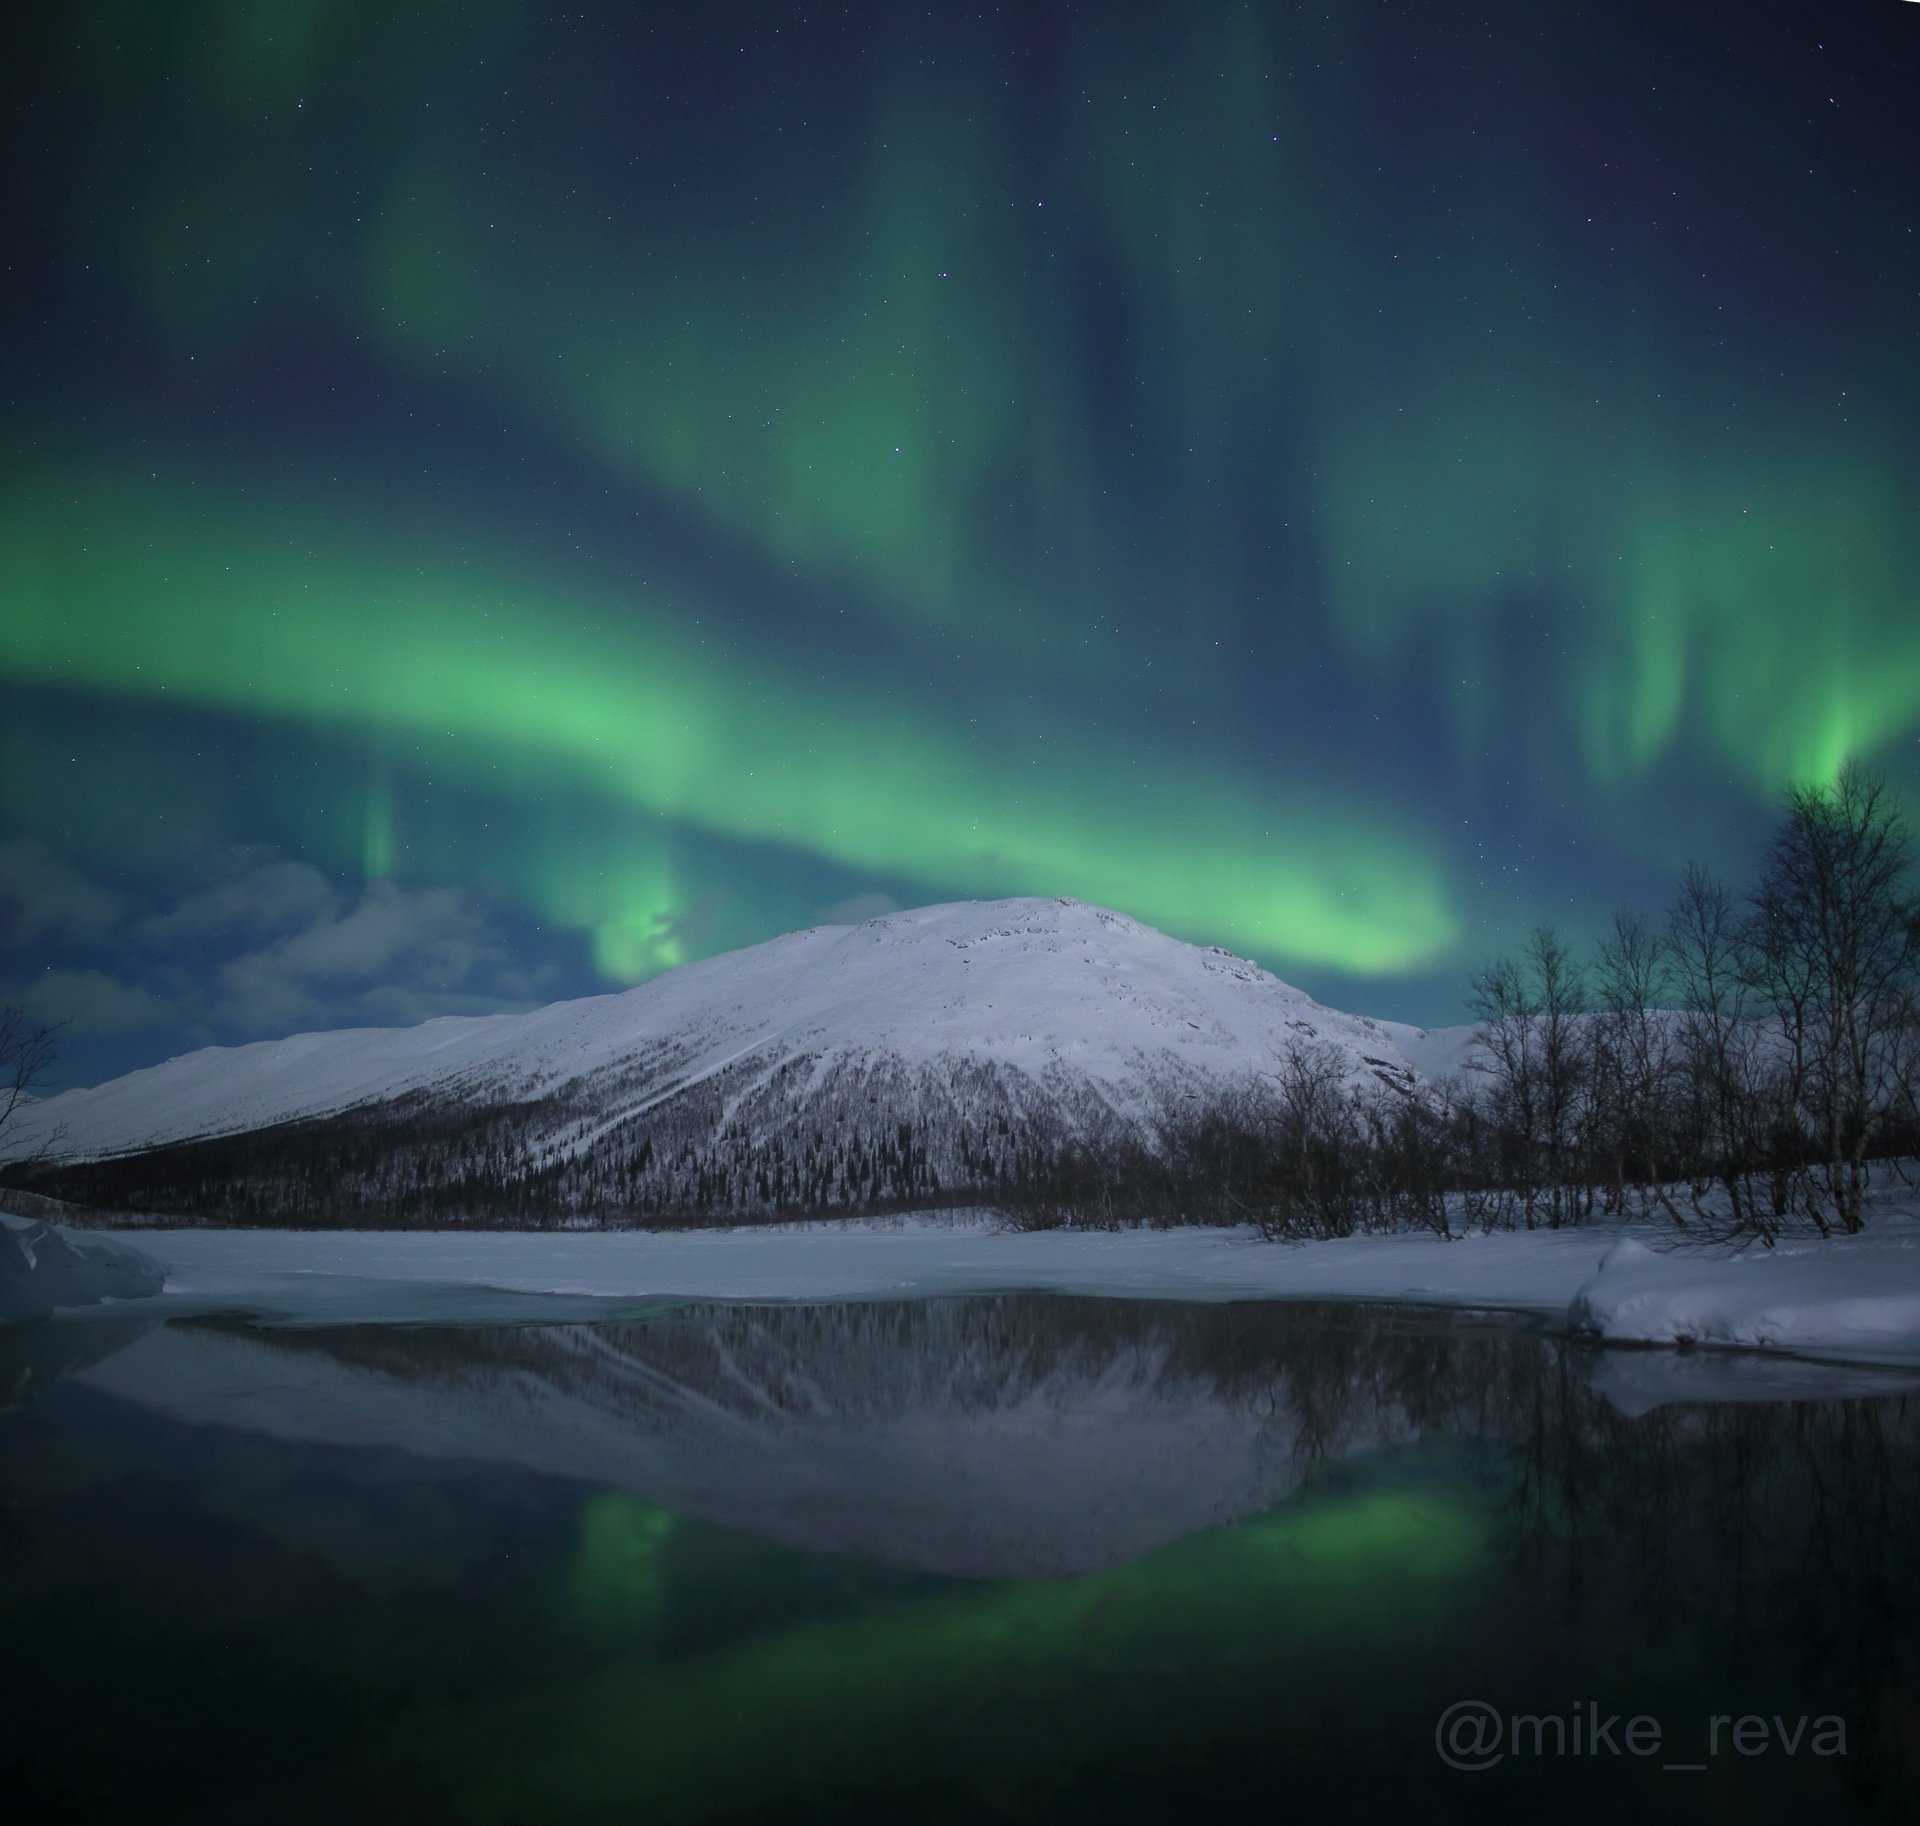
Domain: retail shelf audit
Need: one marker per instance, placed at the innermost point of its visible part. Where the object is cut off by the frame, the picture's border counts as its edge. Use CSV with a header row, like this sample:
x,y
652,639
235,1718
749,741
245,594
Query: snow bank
x,y
1854,1297
43,1267
333,1277
1850,1299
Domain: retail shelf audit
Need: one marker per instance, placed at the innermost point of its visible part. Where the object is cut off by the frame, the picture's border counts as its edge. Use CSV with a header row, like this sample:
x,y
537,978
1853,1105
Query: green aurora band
x,y
273,623
1325,454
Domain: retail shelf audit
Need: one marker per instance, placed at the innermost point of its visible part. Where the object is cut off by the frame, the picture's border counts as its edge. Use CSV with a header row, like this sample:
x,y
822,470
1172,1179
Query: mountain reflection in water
x,y
737,1561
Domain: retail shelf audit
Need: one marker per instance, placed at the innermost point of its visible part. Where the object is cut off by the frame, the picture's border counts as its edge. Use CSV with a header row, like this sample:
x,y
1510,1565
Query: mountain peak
x,y
974,1027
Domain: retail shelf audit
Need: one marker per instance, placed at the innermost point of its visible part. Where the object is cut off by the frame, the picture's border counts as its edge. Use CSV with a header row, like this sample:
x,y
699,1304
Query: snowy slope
x,y
1053,997
1434,1052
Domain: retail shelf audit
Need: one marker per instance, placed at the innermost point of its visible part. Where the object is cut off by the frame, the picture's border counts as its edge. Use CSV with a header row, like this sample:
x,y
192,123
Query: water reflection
x,y
1025,1436
35,1356
1023,1555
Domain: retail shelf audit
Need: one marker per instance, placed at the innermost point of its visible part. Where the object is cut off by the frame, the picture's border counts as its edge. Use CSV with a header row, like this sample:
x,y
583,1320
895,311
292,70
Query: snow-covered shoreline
x,y
1849,1299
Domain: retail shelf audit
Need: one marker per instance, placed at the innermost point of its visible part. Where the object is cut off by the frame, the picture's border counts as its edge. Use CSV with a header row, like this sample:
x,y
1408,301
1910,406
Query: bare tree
x,y
1633,1053
1317,1134
1836,954
1507,1048
27,1049
1565,1067
1531,1012
1706,951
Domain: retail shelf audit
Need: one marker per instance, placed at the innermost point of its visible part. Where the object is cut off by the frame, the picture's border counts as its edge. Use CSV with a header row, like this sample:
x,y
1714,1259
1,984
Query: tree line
x,y
736,1146
1741,1062
1737,1064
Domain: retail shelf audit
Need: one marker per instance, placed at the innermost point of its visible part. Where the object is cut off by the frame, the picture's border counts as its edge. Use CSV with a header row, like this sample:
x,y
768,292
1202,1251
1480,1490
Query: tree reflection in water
x,y
1158,1520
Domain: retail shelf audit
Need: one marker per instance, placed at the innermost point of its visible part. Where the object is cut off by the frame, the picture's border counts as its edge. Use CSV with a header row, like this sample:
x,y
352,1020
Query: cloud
x,y
43,898
398,954
258,946
261,896
90,1001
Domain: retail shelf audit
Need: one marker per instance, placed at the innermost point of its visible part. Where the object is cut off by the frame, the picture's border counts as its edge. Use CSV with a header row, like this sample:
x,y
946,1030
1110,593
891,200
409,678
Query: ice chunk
x,y
44,1267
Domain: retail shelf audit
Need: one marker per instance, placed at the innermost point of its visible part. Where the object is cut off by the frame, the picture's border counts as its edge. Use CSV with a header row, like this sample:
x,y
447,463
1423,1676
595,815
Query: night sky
x,y
499,500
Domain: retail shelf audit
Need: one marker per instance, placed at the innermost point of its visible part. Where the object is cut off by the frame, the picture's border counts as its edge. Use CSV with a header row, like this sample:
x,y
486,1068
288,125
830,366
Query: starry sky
x,y
498,500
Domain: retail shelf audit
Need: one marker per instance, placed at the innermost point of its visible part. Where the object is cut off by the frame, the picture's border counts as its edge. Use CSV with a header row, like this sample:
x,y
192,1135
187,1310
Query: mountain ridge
x,y
935,1043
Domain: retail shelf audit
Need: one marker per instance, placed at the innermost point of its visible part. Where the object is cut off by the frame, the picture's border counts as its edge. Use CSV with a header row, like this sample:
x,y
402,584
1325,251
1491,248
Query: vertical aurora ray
x,y
1251,469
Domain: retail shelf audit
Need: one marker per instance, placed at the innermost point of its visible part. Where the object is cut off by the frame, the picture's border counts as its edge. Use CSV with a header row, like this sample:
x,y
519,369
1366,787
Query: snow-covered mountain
x,y
913,1056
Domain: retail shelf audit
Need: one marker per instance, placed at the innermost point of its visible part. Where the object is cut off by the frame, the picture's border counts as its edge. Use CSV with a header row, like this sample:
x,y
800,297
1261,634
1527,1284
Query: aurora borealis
x,y
499,500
